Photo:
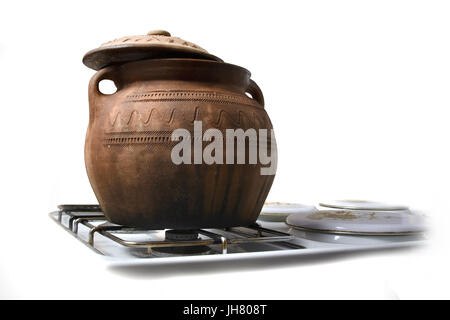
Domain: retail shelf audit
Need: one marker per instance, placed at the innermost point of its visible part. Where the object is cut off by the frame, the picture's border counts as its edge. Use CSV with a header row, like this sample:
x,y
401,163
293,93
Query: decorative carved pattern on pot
x,y
143,118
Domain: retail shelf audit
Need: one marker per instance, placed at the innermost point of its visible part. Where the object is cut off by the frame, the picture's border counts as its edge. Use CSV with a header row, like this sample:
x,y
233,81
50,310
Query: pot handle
x,y
94,93
108,73
256,92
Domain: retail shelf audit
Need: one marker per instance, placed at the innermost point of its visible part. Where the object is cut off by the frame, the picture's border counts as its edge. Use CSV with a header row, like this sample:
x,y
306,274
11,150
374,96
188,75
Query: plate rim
x,y
350,207
356,233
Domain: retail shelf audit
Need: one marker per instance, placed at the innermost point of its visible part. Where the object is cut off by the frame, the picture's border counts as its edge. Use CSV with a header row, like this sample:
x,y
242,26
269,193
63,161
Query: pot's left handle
x,y
95,96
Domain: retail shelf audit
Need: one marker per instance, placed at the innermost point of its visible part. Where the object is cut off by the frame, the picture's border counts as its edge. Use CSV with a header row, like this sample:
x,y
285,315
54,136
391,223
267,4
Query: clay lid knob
x,y
158,33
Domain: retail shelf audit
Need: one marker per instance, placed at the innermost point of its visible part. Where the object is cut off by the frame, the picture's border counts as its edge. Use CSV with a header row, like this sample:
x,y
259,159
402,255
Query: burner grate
x,y
71,217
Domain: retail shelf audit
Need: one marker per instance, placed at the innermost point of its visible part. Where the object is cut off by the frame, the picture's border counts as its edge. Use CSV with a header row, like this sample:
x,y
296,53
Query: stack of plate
x,y
357,218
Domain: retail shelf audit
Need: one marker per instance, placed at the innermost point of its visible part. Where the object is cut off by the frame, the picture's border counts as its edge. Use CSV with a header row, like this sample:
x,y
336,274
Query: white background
x,y
358,93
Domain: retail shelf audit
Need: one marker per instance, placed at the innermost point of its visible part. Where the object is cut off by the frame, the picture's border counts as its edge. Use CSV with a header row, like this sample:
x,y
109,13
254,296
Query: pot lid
x,y
155,44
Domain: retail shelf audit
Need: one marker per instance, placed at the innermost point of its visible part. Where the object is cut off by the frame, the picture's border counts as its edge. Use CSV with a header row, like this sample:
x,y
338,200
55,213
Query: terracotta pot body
x,y
128,144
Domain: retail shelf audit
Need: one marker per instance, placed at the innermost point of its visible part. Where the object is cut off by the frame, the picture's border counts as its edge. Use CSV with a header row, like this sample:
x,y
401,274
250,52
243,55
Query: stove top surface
x,y
264,239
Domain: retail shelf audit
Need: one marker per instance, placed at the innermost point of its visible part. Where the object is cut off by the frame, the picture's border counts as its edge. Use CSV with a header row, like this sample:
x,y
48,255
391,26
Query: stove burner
x,y
180,235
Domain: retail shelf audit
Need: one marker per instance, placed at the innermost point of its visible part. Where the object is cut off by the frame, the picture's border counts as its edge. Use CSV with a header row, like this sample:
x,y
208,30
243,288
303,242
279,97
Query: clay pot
x,y
129,140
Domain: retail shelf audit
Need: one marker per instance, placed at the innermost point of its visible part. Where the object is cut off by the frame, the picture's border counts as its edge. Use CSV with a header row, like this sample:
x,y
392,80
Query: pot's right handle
x,y
95,96
256,92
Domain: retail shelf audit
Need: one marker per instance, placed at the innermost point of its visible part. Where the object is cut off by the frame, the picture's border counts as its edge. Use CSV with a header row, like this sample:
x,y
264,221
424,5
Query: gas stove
x,y
263,239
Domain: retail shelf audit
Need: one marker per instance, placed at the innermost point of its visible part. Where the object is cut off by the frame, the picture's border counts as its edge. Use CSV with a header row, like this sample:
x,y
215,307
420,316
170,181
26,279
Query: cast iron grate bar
x,y
88,214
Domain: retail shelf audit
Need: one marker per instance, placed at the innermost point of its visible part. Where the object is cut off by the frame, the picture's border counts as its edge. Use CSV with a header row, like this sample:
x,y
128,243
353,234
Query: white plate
x,y
362,205
352,239
363,222
278,211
